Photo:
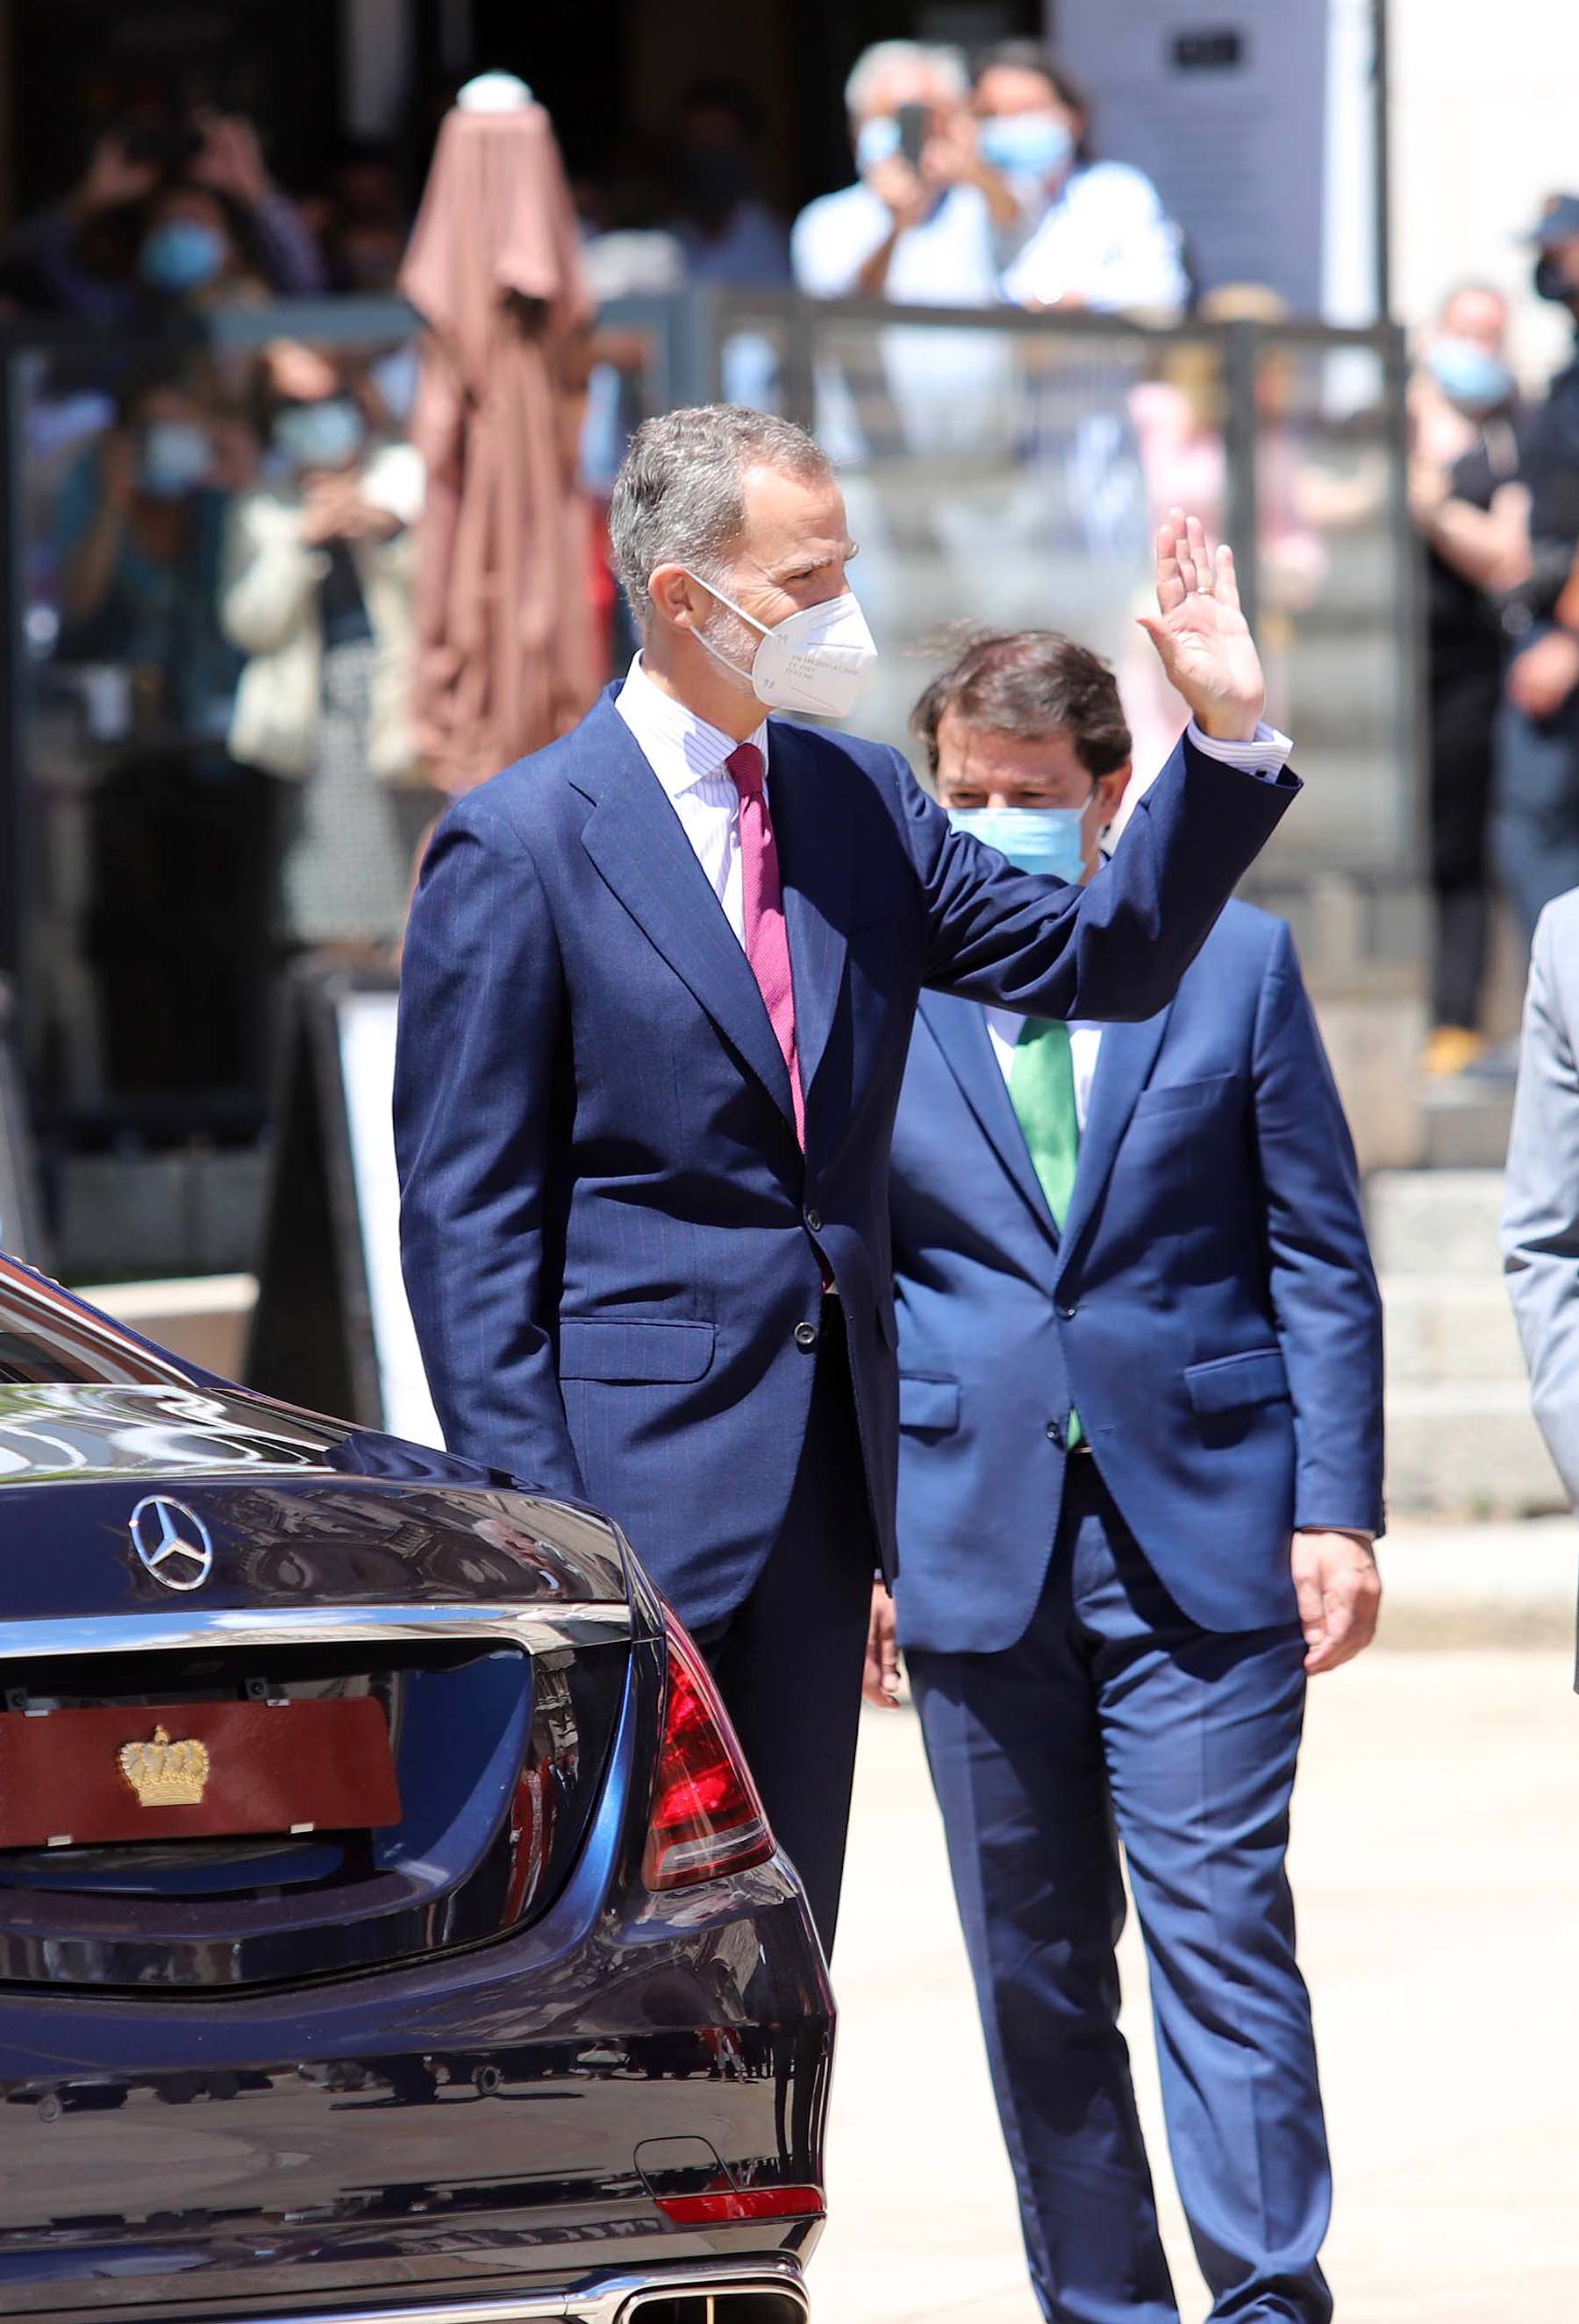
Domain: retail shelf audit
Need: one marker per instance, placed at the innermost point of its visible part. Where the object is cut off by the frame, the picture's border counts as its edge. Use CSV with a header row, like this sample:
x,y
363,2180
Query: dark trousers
x,y
1115,1718
1465,688
1536,822
788,1661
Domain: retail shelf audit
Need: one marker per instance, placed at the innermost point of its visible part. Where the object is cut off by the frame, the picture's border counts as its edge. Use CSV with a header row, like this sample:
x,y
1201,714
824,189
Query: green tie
x,y
1041,1085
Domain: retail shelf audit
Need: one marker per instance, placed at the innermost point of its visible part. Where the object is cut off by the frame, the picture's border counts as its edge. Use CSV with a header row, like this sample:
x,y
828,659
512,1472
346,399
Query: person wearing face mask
x,y
190,214
1140,1459
920,221
317,594
657,989
1094,233
137,539
171,827
1535,816
1467,427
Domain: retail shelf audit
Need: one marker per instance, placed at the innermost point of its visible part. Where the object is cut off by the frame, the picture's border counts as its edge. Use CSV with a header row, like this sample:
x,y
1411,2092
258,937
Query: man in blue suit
x,y
1139,1477
658,992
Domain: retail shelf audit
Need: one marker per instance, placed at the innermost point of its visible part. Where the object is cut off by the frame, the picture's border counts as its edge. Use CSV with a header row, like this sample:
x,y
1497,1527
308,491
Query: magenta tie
x,y
767,938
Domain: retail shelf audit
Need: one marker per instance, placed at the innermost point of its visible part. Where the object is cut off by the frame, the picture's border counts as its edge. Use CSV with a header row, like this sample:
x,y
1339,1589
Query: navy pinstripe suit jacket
x,y
609,1232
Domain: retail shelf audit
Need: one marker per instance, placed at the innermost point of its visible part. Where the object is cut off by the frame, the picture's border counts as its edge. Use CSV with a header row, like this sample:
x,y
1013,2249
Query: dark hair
x,y
1031,57
1029,683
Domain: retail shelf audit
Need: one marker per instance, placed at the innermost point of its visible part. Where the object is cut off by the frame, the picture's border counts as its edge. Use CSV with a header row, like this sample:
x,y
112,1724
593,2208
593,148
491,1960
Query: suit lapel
x,y
1126,1057
959,1028
639,844
812,824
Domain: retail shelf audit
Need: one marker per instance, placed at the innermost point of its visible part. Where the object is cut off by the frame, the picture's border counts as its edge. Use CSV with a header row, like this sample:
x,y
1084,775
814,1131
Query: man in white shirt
x,y
920,226
1139,1476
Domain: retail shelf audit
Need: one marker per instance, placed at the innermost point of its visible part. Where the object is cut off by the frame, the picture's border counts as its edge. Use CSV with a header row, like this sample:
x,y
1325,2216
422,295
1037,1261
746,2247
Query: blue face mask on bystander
x,y
876,141
1037,145
1468,375
183,255
1050,840
325,435
176,456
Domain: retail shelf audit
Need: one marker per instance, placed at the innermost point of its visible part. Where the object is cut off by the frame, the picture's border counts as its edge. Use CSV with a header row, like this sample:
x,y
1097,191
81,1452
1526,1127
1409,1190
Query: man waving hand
x,y
658,996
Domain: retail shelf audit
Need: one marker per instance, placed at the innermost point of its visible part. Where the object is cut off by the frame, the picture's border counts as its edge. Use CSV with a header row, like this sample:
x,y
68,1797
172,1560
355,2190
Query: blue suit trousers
x,y
1116,1718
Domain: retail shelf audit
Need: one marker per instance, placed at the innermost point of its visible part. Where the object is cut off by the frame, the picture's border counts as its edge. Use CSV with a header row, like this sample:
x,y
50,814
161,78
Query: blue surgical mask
x,y
183,254
1037,146
1468,375
1050,840
876,141
327,435
176,458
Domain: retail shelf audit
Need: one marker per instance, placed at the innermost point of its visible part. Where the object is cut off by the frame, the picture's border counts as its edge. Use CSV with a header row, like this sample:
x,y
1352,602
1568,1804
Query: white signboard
x,y
366,1025
1251,117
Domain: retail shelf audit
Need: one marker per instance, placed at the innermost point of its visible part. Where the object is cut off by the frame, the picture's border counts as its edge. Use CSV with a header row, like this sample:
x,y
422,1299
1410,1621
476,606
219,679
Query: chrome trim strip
x,y
606,2300
539,1630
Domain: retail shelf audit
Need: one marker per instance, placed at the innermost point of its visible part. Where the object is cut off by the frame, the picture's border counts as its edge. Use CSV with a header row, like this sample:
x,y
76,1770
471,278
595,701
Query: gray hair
x,y
677,499
882,57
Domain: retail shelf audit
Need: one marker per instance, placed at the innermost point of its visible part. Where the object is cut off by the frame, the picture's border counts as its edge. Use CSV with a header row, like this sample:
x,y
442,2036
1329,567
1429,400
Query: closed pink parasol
x,y
507,652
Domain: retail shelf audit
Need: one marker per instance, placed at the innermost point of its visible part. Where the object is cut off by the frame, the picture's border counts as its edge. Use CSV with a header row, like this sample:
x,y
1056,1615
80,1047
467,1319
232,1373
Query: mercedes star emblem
x,y
171,1543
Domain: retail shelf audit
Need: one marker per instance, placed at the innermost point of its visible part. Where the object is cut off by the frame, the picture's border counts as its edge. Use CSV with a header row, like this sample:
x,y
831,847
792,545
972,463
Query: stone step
x,y
1438,1222
1465,1122
1450,1329
1468,1450
1474,1586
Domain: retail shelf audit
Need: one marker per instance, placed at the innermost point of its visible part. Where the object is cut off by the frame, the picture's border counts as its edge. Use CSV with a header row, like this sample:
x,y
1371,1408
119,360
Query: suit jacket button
x,y
1055,1431
1066,1311
805,1335
813,1221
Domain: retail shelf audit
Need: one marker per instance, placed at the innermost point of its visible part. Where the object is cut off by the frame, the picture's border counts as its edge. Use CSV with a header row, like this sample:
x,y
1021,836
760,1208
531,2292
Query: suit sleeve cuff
x,y
1359,1533
1266,754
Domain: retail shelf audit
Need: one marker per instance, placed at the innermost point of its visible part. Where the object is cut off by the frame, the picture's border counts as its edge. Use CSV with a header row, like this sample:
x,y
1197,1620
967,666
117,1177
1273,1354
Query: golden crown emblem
x,y
166,1775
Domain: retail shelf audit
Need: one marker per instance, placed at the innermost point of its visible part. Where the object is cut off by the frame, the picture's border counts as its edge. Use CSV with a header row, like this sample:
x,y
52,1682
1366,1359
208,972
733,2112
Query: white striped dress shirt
x,y
688,756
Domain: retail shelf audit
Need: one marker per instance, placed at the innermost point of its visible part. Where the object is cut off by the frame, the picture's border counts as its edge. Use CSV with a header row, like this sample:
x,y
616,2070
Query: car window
x,y
47,1337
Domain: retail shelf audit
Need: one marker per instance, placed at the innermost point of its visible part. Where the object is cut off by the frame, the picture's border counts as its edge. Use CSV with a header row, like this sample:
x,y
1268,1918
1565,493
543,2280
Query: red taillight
x,y
706,1818
742,2203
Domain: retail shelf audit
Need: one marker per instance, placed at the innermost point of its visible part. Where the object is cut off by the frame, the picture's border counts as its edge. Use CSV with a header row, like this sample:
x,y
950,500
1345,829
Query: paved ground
x,y
1437,1867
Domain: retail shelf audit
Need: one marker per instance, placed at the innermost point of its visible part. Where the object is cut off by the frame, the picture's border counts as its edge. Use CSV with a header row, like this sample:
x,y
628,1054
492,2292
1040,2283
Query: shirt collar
x,y
682,749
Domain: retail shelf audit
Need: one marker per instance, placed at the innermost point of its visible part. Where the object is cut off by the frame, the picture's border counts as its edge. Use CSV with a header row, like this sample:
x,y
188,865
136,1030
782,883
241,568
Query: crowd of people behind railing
x,y
972,184
219,542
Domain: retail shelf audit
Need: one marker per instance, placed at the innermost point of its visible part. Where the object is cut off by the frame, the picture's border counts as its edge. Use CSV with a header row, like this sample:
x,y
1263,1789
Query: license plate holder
x,y
108,1774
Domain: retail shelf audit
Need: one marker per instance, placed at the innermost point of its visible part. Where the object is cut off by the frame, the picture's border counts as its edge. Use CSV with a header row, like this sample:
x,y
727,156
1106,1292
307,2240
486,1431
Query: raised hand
x,y
113,176
232,160
1202,637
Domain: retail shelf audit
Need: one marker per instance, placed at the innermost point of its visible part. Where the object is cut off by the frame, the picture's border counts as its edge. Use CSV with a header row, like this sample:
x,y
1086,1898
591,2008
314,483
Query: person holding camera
x,y
166,214
921,225
317,596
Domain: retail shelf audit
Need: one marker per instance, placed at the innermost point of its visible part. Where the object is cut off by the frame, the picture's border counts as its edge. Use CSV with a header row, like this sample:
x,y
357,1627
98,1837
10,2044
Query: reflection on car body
x,y
552,2032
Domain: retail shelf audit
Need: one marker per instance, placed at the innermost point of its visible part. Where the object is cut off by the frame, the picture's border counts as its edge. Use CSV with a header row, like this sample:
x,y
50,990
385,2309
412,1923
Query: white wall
x,y
1484,124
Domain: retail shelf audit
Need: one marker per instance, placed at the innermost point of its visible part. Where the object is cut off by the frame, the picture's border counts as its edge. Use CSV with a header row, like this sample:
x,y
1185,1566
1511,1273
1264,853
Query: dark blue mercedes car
x,y
389,1928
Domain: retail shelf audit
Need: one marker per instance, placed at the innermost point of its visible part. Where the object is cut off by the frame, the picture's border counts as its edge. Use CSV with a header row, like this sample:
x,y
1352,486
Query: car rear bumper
x,y
704,2291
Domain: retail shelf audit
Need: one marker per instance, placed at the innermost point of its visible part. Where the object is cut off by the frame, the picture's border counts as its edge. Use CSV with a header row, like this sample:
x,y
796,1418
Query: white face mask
x,y
817,659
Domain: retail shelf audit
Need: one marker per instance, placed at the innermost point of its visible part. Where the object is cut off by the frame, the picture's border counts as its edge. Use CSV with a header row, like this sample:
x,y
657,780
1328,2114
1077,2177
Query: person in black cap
x,y
1536,835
